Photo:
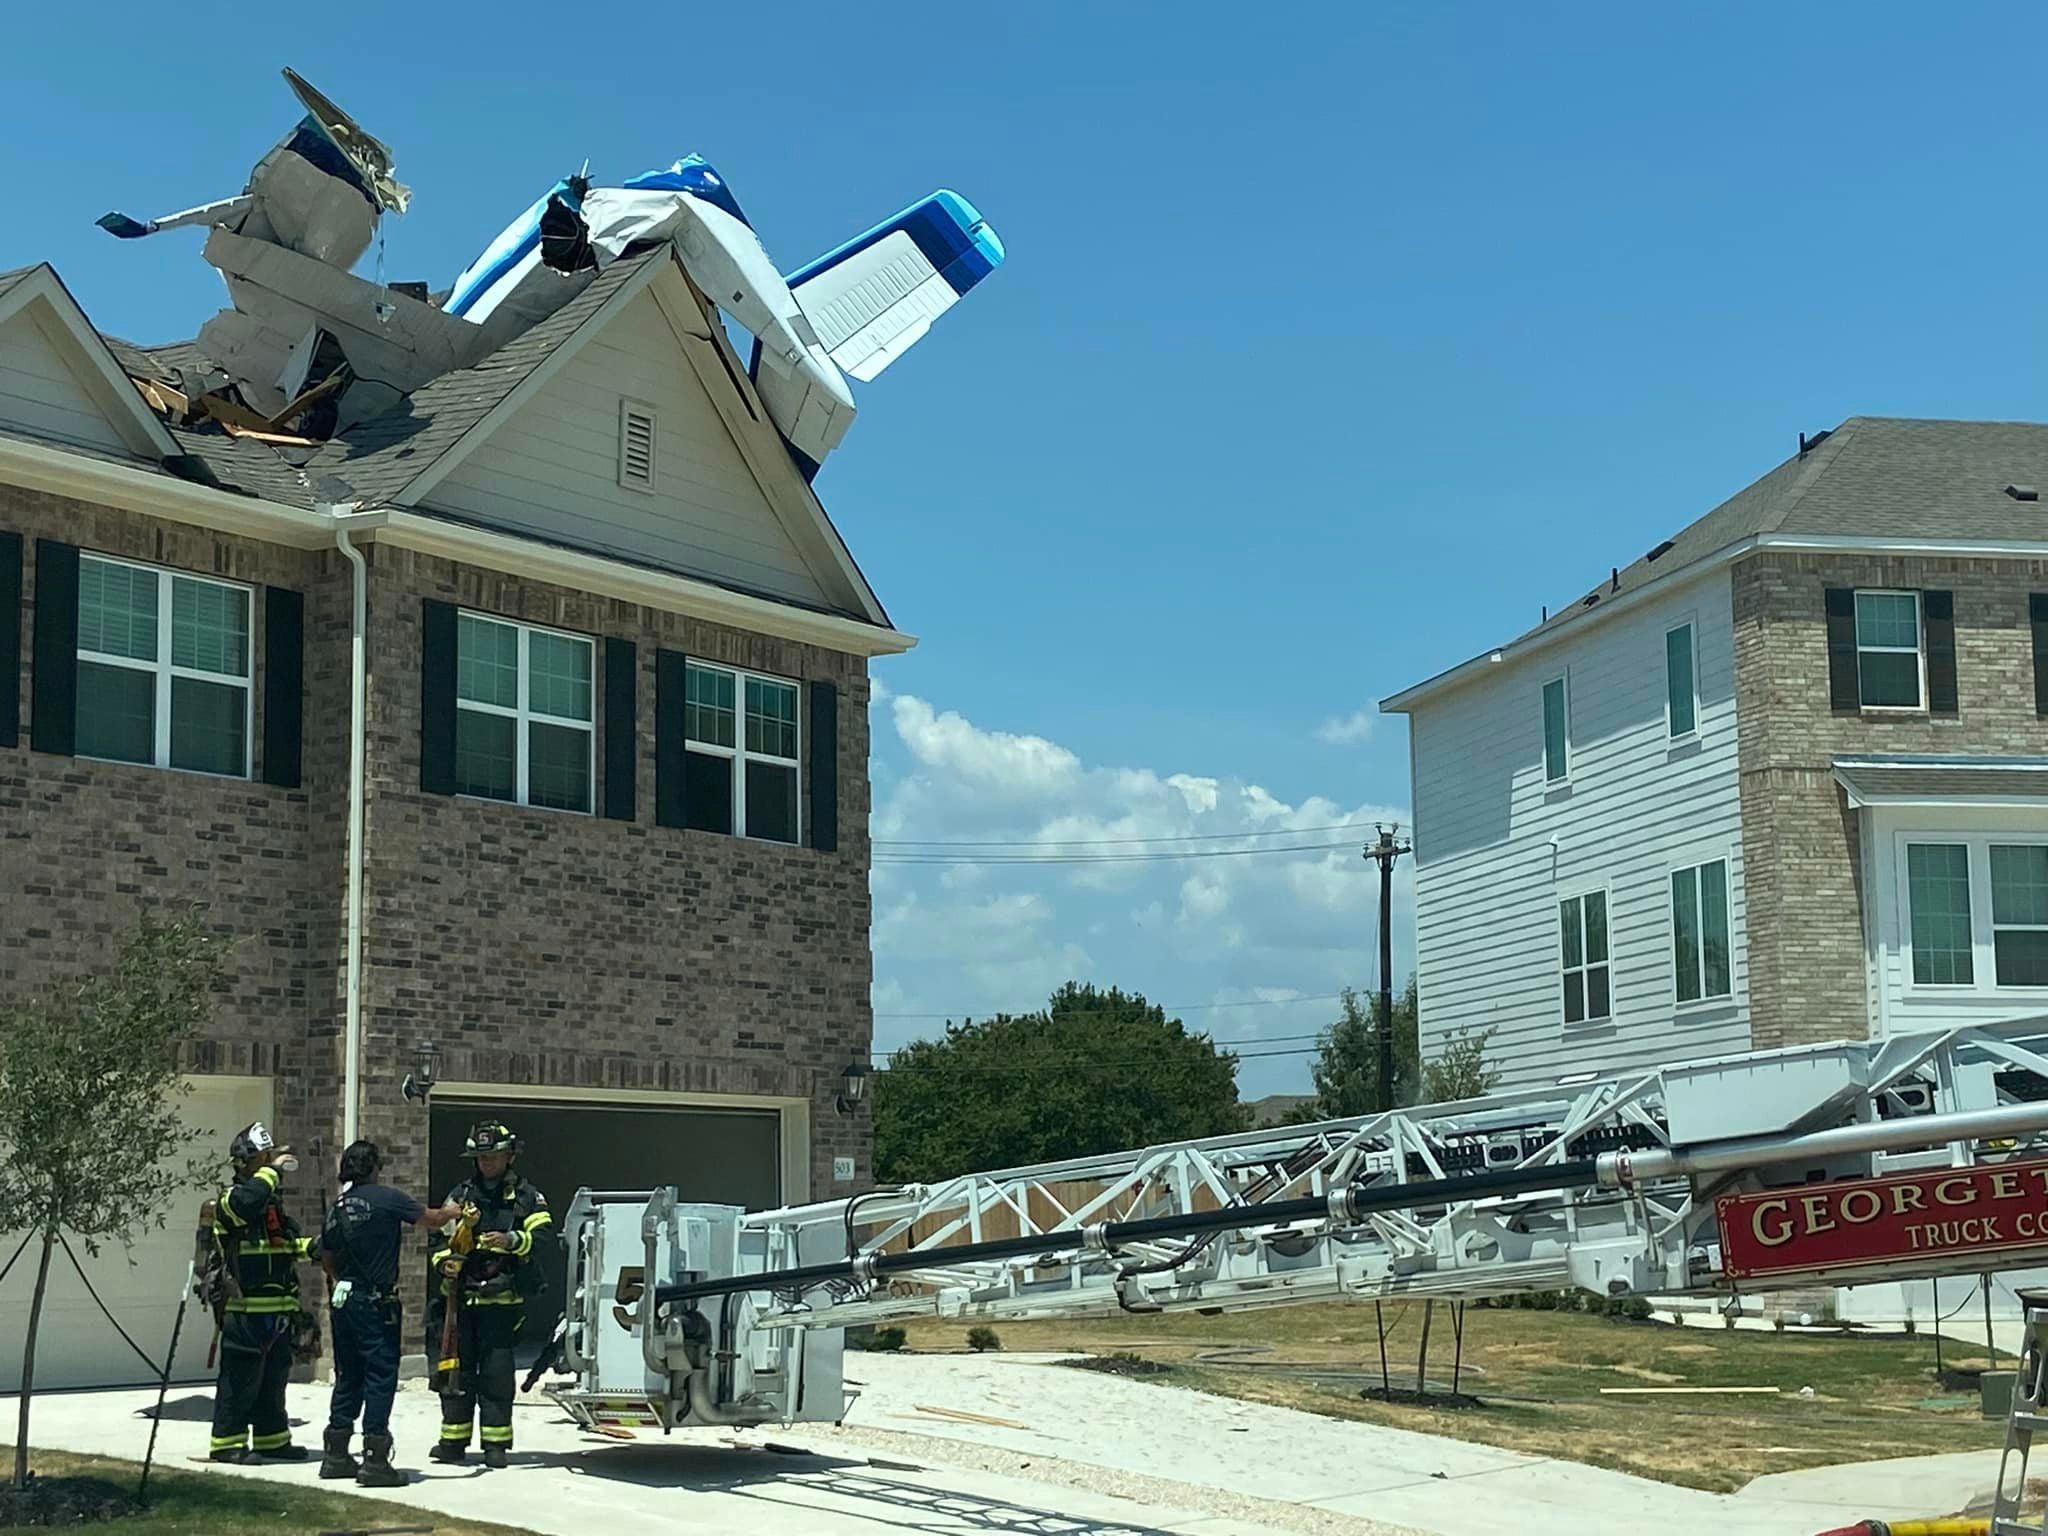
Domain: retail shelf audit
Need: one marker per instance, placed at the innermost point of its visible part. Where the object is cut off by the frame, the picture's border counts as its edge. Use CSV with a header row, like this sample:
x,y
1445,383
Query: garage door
x,y
140,1285
725,1156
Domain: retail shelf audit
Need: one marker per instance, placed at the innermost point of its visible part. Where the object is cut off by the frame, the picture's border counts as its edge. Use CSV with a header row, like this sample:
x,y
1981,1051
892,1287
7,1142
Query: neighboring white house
x,y
1578,847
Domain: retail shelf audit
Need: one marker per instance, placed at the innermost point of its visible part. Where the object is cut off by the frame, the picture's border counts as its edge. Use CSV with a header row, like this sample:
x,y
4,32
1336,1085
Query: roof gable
x,y
526,441
58,378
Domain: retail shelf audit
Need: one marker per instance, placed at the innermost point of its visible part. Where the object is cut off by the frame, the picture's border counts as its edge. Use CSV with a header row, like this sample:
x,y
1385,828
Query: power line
x,y
1226,1044
1103,842
1113,1013
1106,858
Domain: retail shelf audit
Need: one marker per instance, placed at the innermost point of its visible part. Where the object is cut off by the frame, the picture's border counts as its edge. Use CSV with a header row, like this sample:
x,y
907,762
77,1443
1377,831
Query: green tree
x,y
1460,1071
1347,1065
89,1092
1095,1071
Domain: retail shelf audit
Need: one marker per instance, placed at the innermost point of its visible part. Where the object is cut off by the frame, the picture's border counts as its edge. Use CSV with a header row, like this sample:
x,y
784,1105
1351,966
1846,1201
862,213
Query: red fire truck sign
x,y
1967,1212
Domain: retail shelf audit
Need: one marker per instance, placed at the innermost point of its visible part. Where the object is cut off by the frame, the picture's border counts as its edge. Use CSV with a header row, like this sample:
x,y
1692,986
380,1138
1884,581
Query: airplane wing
x,y
872,298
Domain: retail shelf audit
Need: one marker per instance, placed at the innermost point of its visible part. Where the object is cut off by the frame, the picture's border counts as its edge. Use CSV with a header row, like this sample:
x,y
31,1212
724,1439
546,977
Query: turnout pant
x,y
489,1377
255,1364
366,1349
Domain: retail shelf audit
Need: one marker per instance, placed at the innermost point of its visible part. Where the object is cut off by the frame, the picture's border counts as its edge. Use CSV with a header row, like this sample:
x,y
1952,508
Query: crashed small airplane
x,y
305,333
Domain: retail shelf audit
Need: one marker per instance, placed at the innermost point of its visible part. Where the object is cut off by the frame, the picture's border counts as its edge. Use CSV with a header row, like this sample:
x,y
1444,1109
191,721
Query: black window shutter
x,y
10,639
671,685
1938,625
824,767
437,697
284,685
53,691
621,727
1844,693
2037,610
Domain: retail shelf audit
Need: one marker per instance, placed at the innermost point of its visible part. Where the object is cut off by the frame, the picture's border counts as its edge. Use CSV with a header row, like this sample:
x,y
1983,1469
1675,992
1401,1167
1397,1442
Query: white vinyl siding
x,y
1498,848
164,668
555,467
525,726
42,394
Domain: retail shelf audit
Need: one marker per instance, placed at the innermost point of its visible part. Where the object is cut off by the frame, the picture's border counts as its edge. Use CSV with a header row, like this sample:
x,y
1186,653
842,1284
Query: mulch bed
x,y
64,1502
1408,1397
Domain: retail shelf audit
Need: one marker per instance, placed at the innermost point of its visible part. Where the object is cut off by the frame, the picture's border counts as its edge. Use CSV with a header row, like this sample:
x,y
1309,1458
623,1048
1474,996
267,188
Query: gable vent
x,y
636,445
2023,493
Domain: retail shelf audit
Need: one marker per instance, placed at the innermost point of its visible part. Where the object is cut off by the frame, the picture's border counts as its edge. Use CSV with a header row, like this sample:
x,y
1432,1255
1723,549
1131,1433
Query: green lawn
x,y
215,1504
1540,1374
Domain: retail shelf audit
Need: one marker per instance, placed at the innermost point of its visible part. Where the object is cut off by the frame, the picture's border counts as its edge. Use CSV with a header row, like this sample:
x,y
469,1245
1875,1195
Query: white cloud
x,y
1345,730
1149,911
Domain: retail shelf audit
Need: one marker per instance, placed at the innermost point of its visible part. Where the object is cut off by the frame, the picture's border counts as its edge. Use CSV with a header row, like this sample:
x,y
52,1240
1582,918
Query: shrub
x,y
879,1340
981,1338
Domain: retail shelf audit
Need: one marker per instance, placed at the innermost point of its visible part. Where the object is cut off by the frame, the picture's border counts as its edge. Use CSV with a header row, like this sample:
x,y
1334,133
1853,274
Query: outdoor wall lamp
x,y
419,1082
853,1086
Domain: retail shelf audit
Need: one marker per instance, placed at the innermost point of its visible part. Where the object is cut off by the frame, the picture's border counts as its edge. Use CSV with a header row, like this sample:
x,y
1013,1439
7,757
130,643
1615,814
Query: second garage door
x,y
722,1156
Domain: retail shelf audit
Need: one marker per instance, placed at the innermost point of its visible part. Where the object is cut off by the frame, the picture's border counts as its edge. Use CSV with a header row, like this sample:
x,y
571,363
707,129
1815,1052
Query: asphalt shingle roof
x,y
1879,477
1945,779
375,459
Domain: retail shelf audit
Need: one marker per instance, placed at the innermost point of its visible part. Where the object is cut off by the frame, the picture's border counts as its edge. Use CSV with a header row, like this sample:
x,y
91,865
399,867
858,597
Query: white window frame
x,y
1919,649
1578,893
1992,926
1693,866
627,409
165,672
1977,844
1564,682
524,715
1693,646
738,752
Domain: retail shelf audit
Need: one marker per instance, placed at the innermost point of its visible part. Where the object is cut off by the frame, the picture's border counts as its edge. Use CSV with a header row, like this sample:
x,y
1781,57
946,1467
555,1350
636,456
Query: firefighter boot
x,y
337,1462
377,1469
495,1456
450,1453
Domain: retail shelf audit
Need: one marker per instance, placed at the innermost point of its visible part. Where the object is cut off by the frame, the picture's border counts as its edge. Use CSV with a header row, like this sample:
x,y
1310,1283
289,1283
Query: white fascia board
x,y
634,584
1789,543
134,488
1530,645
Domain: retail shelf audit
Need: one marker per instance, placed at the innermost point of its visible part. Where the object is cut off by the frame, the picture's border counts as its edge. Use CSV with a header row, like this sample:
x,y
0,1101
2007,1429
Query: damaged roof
x,y
373,460
1883,478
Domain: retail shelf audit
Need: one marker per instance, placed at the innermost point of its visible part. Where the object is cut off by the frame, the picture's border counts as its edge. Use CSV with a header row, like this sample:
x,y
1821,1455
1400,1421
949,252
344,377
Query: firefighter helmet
x,y
490,1136
251,1142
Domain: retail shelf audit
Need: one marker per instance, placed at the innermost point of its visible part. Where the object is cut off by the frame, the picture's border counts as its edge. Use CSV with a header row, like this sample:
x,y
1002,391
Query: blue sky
x,y
1334,339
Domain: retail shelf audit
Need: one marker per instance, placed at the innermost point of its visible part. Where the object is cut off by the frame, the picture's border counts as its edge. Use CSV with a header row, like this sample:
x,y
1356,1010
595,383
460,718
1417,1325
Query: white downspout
x,y
352,982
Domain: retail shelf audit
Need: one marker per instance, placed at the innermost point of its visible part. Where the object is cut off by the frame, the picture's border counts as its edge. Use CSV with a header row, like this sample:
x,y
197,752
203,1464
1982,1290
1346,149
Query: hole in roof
x,y
1590,599
1660,551
2023,493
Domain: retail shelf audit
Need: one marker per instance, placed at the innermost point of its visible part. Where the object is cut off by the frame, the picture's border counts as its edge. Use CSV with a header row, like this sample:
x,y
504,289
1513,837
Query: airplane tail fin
x,y
872,298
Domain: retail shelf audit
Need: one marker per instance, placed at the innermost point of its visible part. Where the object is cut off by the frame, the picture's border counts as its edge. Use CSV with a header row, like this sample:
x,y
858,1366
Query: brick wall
x,y
1803,870
547,948
537,948
86,847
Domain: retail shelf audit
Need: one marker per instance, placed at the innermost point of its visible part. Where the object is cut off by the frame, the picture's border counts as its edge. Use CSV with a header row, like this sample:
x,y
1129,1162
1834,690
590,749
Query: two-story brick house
x,y
613,754
1782,778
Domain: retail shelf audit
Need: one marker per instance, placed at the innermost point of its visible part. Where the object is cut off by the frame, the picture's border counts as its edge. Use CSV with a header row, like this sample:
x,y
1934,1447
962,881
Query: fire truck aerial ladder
x,y
1840,1163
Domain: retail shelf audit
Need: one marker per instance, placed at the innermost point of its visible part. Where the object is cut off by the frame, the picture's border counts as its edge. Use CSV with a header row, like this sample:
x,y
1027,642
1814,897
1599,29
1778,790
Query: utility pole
x,y
1383,853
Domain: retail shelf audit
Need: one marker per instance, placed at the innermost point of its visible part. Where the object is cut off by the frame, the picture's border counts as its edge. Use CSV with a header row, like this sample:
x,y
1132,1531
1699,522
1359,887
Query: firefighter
x,y
506,1218
260,1250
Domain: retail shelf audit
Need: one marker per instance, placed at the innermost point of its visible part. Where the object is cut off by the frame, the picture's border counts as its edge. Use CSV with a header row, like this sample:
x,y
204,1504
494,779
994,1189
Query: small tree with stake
x,y
89,1092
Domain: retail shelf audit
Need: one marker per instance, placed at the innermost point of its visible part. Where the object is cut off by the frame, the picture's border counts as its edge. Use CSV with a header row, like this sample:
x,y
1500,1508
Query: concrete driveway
x,y
977,1444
